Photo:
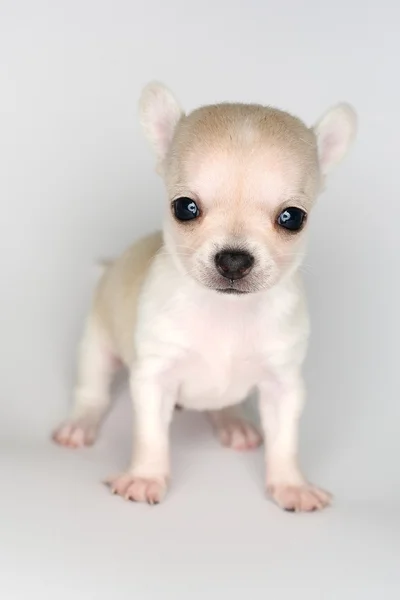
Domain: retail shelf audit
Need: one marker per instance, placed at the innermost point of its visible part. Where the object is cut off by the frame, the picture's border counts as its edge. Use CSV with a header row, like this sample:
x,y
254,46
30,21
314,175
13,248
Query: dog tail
x,y
100,267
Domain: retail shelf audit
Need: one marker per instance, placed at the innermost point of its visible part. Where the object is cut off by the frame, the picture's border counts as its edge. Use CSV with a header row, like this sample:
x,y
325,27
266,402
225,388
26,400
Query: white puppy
x,y
213,308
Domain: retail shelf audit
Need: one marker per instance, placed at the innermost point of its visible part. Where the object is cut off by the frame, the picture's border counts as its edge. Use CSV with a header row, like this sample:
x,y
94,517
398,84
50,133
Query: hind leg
x,y
96,367
233,429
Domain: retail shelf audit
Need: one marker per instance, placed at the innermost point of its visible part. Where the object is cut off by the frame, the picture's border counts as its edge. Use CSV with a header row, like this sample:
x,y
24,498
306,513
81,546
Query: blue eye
x,y
185,209
292,218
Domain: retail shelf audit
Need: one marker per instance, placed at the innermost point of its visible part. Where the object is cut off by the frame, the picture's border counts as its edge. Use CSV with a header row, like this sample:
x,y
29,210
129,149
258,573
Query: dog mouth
x,y
244,286
241,287
234,288
231,291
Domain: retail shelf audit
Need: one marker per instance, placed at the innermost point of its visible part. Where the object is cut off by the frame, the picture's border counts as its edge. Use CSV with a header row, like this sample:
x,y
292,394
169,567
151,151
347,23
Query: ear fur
x,y
159,114
335,132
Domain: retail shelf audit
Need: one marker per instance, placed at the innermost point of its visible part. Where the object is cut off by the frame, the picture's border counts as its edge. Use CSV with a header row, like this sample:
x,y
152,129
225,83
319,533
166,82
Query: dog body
x,y
213,308
194,331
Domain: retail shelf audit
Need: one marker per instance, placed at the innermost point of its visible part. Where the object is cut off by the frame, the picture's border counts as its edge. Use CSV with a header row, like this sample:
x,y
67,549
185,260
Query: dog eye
x,y
185,209
292,218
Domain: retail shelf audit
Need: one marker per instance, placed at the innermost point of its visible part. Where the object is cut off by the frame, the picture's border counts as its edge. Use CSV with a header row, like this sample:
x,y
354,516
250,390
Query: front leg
x,y
153,405
281,404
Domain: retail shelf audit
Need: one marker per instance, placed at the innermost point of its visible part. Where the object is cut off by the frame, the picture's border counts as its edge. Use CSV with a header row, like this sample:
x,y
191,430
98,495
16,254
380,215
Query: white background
x,y
77,182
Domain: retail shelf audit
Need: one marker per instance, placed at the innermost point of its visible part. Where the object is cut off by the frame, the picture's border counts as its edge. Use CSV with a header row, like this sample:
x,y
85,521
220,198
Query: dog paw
x,y
138,489
75,434
238,434
299,498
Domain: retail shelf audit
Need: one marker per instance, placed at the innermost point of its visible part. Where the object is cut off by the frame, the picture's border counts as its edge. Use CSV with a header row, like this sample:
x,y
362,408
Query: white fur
x,y
335,132
194,346
159,114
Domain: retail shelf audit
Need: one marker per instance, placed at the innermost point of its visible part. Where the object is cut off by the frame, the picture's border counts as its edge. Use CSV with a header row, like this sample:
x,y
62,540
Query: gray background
x,y
77,182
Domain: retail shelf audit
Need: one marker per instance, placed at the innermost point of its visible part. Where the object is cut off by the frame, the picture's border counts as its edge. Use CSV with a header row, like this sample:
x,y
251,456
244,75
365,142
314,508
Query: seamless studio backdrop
x,y
78,183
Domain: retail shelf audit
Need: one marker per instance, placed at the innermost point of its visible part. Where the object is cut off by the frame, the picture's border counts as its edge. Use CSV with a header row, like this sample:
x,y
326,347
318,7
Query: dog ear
x,y
159,114
335,132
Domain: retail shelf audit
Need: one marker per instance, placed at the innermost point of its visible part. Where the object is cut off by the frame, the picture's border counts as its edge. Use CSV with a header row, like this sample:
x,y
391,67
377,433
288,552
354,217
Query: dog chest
x,y
223,363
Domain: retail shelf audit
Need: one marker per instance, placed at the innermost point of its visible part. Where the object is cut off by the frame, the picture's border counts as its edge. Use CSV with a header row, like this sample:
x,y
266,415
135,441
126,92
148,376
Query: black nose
x,y
234,264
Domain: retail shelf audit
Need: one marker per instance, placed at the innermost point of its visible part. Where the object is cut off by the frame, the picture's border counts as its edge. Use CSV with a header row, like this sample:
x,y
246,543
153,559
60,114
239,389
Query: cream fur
x,y
157,310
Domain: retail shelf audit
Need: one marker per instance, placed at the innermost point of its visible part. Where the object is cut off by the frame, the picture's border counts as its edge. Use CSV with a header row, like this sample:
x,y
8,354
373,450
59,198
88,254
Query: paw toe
x,y
301,498
138,489
74,435
239,436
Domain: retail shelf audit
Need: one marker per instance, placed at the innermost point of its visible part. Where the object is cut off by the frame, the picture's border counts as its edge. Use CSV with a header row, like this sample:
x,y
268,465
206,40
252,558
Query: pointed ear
x,y
159,115
335,132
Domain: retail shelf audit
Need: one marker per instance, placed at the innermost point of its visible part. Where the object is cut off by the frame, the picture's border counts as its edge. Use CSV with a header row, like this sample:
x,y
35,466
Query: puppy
x,y
213,308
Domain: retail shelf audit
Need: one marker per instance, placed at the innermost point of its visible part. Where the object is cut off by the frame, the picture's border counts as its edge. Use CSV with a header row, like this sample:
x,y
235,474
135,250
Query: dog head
x,y
241,181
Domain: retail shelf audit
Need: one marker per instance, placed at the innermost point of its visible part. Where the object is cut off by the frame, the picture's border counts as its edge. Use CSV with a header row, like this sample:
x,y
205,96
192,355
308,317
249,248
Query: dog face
x,y
241,181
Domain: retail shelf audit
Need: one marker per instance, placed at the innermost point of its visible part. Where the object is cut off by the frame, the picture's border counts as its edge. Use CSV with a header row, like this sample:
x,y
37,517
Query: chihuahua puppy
x,y
213,308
